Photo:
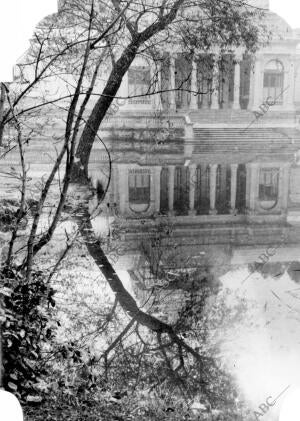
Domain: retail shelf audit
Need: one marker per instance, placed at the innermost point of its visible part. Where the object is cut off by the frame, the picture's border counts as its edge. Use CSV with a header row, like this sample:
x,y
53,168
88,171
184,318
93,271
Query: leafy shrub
x,y
8,213
27,330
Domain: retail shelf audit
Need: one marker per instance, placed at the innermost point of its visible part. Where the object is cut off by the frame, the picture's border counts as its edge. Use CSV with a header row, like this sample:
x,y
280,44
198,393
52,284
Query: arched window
x,y
273,81
139,80
139,186
268,187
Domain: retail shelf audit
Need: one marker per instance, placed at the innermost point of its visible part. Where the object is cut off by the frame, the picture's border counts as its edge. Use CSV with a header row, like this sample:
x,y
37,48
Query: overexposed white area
x,y
261,347
18,20
288,10
10,408
290,410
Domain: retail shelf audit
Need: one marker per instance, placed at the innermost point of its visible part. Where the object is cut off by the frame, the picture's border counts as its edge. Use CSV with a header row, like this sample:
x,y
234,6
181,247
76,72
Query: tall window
x,y
241,188
164,203
181,190
204,79
223,184
183,81
138,84
273,81
139,186
202,190
268,187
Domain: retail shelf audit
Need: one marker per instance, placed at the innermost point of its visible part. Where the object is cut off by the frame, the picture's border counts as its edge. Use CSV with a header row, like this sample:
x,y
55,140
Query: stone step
x,y
270,140
236,116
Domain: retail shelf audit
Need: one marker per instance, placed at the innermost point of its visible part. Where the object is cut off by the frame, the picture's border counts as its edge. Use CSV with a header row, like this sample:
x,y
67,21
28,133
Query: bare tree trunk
x,y
2,102
1,359
125,299
102,105
114,82
94,247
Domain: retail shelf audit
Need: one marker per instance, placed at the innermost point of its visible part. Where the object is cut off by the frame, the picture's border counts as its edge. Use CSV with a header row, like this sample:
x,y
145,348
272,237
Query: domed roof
x,y
278,26
263,4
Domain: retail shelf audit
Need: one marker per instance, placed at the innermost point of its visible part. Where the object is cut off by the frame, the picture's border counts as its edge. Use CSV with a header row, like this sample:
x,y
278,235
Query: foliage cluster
x,y
27,330
74,382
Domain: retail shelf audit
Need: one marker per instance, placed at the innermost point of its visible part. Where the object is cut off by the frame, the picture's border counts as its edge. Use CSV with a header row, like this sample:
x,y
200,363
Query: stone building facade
x,y
223,144
216,151
220,159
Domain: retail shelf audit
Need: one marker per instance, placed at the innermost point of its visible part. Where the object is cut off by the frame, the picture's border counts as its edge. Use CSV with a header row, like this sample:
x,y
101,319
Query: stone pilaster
x,y
237,83
123,188
194,87
157,173
115,180
251,87
284,186
289,85
156,76
205,96
253,187
215,85
172,83
258,83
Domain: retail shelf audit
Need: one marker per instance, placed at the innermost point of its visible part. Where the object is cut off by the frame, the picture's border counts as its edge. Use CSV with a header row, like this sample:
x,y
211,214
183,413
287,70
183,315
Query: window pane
x,y
131,180
139,186
268,184
273,81
139,83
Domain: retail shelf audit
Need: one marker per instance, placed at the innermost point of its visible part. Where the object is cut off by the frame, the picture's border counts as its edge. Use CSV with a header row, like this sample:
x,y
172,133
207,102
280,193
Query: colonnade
x,y
204,189
212,187
233,81
215,85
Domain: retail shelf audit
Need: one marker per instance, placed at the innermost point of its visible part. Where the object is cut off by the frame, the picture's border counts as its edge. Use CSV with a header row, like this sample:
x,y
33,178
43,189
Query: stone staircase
x,y
228,116
242,140
217,132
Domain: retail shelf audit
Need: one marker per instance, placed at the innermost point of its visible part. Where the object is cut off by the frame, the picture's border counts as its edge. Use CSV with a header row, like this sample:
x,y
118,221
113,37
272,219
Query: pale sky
x,y
19,17
18,20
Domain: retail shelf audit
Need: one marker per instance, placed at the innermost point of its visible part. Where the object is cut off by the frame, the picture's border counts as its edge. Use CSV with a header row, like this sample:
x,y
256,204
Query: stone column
x,y
123,188
253,187
251,87
258,84
225,89
192,180
212,188
283,192
172,83
157,189
194,87
115,183
215,85
248,176
156,76
205,96
237,84
171,174
288,96
233,168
